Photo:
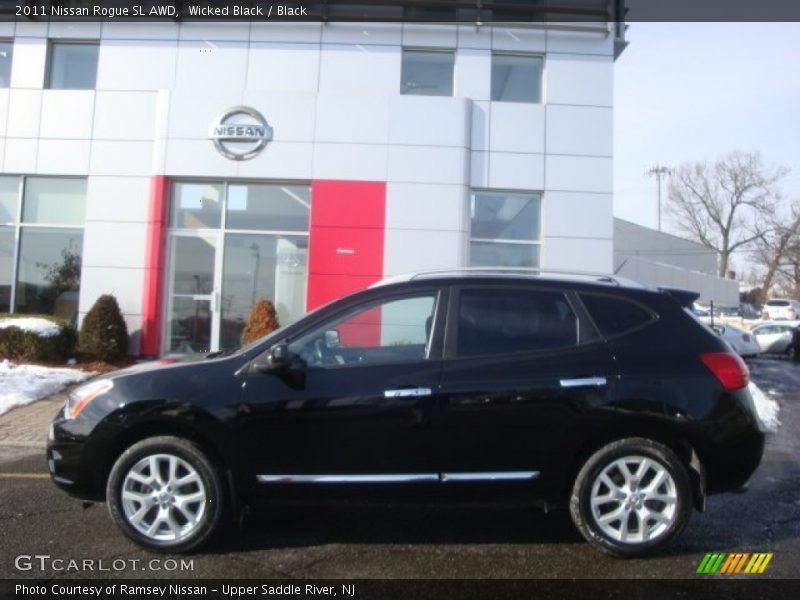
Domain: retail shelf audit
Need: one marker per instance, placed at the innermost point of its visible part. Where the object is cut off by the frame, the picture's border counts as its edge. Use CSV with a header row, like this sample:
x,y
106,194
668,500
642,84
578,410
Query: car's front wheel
x,y
631,497
165,494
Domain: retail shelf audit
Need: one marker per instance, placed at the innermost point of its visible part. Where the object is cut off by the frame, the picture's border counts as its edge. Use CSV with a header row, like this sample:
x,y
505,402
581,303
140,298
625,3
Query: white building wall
x,y
331,92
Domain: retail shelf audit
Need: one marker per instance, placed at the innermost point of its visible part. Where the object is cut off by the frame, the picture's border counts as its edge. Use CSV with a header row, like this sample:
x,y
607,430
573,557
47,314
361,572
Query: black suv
x,y
586,392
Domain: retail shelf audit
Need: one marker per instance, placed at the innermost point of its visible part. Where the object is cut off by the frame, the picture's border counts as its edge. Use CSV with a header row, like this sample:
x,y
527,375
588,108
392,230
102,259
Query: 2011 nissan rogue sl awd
x,y
587,392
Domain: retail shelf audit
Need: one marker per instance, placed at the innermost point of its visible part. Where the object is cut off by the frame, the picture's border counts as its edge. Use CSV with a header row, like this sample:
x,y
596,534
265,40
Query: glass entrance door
x,y
193,315
230,245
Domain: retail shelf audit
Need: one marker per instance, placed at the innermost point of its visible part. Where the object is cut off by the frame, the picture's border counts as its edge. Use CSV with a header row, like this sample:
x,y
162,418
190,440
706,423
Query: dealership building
x,y
191,168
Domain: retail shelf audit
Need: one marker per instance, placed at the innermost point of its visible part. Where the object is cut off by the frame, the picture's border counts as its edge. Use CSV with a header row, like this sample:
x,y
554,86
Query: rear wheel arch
x,y
679,444
631,497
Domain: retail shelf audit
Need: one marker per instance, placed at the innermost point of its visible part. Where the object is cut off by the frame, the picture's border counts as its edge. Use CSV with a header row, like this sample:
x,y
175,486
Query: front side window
x,y
517,78
395,330
502,321
427,72
6,56
73,66
505,229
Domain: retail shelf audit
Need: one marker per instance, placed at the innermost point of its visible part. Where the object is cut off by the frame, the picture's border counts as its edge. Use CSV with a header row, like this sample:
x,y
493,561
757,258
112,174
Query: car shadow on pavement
x,y
365,523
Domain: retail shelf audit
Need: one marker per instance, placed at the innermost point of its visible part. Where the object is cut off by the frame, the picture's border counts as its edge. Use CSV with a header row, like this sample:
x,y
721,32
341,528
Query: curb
x,y
23,444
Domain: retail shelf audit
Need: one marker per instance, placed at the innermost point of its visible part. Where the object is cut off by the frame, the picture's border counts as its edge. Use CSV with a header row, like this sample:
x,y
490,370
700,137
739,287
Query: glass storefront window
x,y
54,201
427,72
41,249
261,266
197,206
268,207
6,56
48,277
6,267
73,66
9,199
492,254
517,78
505,216
505,229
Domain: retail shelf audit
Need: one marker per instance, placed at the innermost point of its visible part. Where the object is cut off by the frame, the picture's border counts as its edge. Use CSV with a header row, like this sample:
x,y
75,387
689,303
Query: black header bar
x,y
715,588
519,12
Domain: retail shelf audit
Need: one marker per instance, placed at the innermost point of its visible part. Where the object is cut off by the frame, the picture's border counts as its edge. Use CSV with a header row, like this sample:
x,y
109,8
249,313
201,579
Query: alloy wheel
x,y
163,497
634,500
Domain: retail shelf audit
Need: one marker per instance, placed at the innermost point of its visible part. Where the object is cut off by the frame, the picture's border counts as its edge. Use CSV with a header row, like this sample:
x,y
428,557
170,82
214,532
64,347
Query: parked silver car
x,y
743,343
774,337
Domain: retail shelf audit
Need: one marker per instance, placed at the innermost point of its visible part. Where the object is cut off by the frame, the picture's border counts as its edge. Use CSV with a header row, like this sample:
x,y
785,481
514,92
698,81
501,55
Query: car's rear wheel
x,y
631,497
165,494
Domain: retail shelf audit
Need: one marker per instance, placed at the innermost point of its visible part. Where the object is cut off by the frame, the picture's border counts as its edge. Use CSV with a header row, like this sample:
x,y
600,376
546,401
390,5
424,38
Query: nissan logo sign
x,y
240,133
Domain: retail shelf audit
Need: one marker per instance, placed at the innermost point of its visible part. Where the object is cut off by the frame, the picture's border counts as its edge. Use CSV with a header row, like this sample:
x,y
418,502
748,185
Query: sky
x,y
686,92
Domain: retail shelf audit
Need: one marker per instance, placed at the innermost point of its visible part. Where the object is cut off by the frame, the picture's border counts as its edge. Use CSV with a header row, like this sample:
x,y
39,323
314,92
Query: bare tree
x,y
723,205
778,247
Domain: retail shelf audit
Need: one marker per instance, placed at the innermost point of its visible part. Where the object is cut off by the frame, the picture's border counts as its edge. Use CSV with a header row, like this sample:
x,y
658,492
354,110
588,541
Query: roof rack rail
x,y
531,271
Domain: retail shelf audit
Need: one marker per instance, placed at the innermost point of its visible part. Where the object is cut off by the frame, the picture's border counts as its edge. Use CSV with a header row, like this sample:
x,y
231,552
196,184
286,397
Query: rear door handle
x,y
583,382
407,393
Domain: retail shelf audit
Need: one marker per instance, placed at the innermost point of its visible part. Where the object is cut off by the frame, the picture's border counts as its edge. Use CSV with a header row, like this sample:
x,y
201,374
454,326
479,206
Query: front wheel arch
x,y
161,472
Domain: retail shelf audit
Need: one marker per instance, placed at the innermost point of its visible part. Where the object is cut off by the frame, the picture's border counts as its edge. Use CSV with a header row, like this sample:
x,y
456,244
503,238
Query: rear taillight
x,y
728,368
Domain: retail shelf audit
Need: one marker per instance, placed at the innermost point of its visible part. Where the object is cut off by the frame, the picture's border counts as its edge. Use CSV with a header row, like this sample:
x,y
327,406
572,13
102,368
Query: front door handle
x,y
407,393
583,382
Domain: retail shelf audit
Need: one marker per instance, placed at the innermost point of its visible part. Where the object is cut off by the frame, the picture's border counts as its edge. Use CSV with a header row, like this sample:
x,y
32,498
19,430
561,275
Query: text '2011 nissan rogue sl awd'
x,y
586,392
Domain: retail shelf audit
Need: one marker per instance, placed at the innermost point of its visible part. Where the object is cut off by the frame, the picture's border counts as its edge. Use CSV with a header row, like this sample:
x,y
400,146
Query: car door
x,y
356,401
768,337
521,367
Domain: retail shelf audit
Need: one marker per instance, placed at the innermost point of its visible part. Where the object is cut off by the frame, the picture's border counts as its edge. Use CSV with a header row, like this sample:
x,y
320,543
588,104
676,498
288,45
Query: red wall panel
x,y
346,251
348,204
346,238
152,285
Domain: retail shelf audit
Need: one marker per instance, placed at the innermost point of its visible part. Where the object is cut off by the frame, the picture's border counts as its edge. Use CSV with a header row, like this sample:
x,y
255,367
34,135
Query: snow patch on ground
x,y
766,407
23,384
37,325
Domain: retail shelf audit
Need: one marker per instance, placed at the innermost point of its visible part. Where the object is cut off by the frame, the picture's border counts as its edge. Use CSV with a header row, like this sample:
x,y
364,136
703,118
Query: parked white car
x,y
780,309
774,337
741,341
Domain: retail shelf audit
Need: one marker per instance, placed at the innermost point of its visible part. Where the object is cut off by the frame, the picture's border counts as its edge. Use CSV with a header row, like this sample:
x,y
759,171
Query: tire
x,y
177,509
661,499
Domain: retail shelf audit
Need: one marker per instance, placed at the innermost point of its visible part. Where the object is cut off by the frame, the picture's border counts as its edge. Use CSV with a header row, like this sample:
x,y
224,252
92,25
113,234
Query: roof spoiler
x,y
684,297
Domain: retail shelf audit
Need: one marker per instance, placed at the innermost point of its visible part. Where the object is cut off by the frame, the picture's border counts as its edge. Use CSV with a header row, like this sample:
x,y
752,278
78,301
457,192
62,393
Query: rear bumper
x,y
731,447
733,470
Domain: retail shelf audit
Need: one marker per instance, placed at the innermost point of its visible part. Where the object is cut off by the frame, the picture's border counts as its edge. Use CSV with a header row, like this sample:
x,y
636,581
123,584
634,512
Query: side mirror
x,y
275,359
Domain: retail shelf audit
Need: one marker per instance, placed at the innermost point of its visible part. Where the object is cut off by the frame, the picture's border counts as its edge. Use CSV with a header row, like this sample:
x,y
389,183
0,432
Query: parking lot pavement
x,y
360,540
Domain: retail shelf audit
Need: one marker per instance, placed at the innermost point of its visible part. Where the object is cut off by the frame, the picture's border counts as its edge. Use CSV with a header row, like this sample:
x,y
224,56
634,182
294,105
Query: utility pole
x,y
659,171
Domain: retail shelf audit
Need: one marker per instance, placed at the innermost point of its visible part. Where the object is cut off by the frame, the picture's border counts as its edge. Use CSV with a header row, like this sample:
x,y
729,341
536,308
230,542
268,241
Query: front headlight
x,y
80,397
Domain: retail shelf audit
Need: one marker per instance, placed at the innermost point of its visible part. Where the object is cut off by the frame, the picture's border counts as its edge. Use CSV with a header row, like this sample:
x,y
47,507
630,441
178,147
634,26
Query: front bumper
x,y
68,460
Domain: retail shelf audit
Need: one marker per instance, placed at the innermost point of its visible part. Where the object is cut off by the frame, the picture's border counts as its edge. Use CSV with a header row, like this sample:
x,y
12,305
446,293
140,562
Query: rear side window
x,y
778,303
615,316
501,321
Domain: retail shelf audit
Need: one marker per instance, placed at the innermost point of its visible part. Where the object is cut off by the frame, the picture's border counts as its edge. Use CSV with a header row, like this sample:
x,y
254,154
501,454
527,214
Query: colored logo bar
x,y
736,562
